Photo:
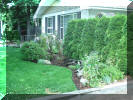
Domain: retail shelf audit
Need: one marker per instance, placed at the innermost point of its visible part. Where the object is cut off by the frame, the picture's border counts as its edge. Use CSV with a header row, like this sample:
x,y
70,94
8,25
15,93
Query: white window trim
x,y
51,26
63,22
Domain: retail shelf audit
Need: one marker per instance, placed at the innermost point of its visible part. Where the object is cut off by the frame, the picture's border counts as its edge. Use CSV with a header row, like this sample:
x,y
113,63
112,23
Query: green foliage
x,y
74,67
69,39
43,42
87,39
12,35
91,67
76,46
32,51
130,43
115,49
111,72
97,72
51,45
107,36
72,44
101,28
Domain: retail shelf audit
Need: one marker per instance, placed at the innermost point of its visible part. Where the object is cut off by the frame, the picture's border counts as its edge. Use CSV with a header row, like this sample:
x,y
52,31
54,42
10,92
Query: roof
x,y
44,4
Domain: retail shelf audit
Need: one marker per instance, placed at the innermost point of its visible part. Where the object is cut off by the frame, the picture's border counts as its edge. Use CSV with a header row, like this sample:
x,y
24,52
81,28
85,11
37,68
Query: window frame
x,y
73,17
50,27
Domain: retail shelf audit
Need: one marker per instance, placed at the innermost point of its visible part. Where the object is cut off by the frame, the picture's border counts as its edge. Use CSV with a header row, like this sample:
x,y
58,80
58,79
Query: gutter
x,y
42,8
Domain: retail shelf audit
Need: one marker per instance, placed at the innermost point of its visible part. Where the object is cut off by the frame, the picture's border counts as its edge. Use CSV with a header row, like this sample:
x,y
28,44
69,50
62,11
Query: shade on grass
x,y
25,77
2,72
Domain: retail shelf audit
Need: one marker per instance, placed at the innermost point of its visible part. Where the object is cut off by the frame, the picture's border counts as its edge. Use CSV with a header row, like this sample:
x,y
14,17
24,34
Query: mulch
x,y
76,80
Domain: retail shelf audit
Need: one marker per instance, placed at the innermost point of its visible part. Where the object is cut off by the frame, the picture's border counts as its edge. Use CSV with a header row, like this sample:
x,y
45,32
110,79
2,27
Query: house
x,y
55,14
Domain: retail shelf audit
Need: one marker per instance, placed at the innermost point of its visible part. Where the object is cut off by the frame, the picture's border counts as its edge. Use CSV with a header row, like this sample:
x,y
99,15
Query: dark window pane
x,y
61,21
50,31
61,33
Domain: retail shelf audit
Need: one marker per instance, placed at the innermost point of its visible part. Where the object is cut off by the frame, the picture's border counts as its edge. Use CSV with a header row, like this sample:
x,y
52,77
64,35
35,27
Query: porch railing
x,y
27,37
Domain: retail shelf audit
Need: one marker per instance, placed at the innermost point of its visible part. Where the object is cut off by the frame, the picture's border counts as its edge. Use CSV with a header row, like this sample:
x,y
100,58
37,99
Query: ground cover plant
x,y
99,73
2,71
24,77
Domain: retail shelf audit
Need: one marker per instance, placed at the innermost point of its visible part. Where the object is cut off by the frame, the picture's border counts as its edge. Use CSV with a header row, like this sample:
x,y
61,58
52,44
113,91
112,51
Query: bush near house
x,y
72,42
69,38
106,35
32,51
115,49
87,38
99,35
51,45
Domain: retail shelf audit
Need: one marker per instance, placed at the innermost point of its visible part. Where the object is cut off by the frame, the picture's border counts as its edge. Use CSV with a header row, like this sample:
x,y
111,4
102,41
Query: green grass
x,y
2,72
25,77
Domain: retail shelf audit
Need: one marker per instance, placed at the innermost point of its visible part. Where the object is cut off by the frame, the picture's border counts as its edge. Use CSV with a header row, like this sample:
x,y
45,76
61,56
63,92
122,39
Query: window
x,y
61,27
49,24
63,22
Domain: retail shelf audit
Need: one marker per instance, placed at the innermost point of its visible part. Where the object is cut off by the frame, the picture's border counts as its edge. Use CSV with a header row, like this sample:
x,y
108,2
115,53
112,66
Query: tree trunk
x,y
28,23
28,29
19,30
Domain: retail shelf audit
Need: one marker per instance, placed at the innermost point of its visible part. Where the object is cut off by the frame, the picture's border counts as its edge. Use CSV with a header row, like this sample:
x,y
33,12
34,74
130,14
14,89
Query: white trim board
x,y
62,12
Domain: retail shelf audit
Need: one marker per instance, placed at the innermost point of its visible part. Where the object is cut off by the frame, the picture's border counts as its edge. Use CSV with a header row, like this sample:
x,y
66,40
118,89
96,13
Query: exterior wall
x,y
43,24
108,13
56,9
53,12
85,13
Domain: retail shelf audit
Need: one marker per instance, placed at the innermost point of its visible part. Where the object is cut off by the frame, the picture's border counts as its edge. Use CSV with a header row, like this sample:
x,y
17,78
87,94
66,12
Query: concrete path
x,y
90,94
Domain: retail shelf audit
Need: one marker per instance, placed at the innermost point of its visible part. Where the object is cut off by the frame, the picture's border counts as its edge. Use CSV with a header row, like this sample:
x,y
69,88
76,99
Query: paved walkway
x,y
90,94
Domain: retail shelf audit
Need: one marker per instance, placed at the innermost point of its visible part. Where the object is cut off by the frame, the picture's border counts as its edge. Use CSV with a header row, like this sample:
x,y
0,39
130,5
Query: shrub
x,y
115,39
69,38
76,42
106,35
87,39
51,45
91,69
97,72
111,72
99,35
32,51
130,43
12,35
74,67
73,38
43,42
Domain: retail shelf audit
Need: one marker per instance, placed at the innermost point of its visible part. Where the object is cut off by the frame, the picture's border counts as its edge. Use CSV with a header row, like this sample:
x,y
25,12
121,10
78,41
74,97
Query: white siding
x,y
84,14
43,24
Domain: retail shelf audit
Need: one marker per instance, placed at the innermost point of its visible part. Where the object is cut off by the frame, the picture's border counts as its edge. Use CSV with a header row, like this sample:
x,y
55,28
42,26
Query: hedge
x,y
130,43
101,28
73,38
68,38
115,38
88,37
108,36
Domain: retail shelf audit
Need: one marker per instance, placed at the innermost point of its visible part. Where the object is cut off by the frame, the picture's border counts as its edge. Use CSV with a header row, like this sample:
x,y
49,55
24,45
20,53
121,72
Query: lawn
x,y
24,77
2,71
